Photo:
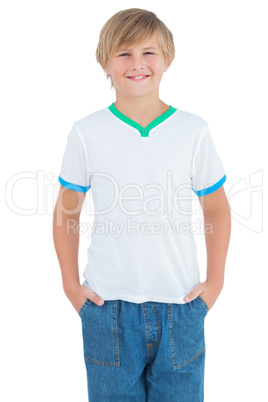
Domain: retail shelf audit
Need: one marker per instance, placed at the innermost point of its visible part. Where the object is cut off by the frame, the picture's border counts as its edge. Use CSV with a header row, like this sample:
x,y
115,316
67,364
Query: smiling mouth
x,y
138,78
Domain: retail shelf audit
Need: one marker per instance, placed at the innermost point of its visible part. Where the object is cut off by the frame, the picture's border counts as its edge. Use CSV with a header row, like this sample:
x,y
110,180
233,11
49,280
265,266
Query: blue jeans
x,y
144,351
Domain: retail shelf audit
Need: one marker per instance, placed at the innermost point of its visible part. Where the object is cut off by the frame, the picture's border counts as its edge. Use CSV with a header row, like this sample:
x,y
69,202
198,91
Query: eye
x,y
123,54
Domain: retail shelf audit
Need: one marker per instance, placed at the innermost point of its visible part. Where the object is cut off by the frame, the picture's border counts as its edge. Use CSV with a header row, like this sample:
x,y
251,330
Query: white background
x,y
49,79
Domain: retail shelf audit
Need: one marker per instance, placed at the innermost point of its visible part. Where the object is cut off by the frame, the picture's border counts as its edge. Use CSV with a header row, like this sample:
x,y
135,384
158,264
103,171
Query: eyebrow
x,y
145,48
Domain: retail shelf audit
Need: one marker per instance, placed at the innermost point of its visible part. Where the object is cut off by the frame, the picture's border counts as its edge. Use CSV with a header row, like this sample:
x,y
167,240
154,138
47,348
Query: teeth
x,y
142,76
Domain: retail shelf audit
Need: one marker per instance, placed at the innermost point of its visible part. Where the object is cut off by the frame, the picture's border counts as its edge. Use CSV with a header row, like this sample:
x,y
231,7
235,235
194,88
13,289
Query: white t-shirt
x,y
143,182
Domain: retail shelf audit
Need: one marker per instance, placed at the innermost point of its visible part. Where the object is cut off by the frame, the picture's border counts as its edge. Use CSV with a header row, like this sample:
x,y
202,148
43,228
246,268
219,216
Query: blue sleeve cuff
x,y
211,189
75,187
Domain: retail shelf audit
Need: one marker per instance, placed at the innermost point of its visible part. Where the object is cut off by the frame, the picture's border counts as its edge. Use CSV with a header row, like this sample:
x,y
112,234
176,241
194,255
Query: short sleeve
x,y
208,171
74,174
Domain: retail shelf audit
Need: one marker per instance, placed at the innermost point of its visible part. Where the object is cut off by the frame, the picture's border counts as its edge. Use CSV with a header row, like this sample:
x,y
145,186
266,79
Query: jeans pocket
x,y
84,305
186,333
204,304
100,334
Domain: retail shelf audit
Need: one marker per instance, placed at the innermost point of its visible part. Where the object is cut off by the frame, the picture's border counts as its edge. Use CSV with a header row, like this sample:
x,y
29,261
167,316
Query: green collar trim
x,y
144,131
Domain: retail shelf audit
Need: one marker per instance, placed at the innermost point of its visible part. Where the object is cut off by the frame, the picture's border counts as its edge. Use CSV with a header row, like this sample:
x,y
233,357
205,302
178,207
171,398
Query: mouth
x,y
138,78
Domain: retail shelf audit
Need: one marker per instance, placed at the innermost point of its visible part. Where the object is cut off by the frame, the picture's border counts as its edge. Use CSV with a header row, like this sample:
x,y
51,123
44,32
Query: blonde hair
x,y
130,26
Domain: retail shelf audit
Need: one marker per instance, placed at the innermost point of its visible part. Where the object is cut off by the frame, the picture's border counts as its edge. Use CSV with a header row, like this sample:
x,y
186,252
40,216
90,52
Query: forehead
x,y
151,43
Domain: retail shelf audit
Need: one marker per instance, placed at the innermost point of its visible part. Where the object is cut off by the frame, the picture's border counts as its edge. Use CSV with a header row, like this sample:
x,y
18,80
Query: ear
x,y
168,64
106,69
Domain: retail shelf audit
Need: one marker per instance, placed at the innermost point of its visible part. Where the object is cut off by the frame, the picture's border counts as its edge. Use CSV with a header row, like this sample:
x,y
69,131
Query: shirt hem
x,y
142,299
212,188
72,186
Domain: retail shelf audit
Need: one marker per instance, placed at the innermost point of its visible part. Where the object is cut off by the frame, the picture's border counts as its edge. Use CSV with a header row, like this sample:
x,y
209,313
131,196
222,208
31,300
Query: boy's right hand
x,y
78,295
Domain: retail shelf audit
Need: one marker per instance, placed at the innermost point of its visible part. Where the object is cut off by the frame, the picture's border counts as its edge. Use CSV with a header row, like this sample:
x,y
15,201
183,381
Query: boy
x,y
142,305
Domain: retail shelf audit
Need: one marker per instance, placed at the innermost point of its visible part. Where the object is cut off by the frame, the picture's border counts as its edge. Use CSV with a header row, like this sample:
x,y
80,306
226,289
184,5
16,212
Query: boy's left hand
x,y
207,291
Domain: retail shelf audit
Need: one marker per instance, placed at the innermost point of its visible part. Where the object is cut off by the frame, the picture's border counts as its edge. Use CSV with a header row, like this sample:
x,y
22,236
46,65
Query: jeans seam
x,y
115,329
172,351
170,320
147,331
157,323
116,340
178,366
203,303
88,359
83,307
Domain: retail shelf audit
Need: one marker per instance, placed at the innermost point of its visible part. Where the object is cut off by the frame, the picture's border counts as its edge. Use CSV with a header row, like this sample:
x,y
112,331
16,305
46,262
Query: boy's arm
x,y
66,218
217,224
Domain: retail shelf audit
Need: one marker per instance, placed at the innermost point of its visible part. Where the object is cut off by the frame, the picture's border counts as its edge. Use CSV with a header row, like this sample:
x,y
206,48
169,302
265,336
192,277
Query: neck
x,y
140,109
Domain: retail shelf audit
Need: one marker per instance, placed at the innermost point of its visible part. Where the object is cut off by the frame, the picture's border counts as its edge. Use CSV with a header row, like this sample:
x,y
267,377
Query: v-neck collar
x,y
144,131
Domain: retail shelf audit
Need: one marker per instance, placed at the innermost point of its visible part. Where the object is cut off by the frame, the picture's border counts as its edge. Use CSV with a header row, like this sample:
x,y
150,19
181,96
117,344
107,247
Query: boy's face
x,y
138,61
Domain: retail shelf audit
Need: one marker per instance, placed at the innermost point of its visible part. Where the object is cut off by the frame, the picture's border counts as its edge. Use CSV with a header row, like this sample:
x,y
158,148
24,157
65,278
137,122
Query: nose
x,y
136,62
